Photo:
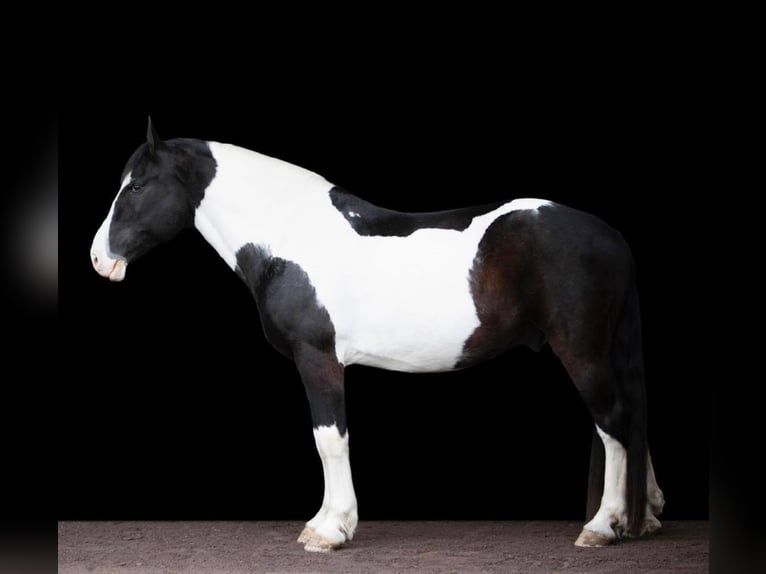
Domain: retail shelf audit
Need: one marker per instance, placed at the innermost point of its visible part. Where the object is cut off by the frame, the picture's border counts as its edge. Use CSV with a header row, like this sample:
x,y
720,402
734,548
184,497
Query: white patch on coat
x,y
399,303
106,263
337,519
611,519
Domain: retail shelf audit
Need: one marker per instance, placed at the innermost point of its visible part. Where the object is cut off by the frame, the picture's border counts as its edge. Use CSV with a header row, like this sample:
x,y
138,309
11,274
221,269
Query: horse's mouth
x,y
118,270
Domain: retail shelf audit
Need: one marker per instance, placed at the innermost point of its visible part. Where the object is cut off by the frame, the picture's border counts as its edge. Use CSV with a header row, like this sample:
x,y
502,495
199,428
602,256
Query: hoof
x,y
590,539
651,527
306,535
318,543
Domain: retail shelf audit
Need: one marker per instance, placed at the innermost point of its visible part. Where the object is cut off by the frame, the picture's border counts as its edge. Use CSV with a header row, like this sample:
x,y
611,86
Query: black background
x,y
178,408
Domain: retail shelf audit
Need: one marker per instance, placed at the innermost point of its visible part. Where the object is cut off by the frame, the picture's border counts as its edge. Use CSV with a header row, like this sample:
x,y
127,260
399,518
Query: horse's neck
x,y
256,199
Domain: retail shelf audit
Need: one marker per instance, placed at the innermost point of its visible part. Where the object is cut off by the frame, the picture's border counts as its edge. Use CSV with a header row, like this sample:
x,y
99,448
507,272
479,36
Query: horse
x,y
339,281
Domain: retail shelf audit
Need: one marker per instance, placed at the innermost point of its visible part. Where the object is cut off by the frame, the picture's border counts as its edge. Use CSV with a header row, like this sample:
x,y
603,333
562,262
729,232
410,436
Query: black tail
x,y
628,363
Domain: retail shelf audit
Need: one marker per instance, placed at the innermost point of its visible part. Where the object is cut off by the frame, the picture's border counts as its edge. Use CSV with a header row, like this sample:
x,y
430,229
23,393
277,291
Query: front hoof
x,y
590,539
306,535
318,543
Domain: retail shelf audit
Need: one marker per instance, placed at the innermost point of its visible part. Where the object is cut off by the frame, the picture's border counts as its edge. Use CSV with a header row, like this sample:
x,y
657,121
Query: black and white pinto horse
x,y
339,281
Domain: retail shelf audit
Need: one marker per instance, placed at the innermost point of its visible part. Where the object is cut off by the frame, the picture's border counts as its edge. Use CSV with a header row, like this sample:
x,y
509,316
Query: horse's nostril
x,y
95,258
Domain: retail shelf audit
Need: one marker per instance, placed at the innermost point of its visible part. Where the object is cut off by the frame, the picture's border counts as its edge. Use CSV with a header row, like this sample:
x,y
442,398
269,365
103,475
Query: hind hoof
x,y
651,526
590,539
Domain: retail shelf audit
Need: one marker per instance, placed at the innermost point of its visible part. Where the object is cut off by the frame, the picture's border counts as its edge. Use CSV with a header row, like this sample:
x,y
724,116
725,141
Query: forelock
x,y
137,161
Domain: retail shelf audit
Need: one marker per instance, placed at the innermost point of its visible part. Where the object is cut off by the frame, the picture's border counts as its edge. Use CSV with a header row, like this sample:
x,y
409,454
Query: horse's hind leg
x,y
654,495
336,520
595,381
611,516
606,365
655,500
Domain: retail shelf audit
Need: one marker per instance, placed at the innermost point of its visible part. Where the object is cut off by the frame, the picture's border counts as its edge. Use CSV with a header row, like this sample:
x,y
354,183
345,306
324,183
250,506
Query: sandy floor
x,y
227,547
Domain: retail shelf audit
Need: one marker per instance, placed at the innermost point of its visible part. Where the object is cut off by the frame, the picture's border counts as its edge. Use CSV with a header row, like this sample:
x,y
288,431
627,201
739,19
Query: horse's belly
x,y
416,324
407,345
409,354
421,343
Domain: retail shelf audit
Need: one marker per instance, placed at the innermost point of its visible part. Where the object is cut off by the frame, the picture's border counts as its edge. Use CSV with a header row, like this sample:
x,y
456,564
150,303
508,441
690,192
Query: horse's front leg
x,y
336,521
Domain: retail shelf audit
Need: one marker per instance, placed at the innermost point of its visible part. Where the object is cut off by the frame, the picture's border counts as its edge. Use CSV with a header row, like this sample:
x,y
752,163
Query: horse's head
x,y
156,200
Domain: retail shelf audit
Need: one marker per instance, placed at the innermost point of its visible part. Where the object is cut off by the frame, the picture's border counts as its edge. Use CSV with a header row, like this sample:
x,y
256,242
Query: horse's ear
x,y
152,138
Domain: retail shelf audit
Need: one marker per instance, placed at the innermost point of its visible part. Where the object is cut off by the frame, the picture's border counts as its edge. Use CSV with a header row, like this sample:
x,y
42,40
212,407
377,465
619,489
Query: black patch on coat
x,y
298,327
287,302
166,188
368,219
505,283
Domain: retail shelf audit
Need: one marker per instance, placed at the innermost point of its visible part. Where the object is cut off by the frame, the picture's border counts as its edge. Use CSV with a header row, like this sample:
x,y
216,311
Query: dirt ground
x,y
465,547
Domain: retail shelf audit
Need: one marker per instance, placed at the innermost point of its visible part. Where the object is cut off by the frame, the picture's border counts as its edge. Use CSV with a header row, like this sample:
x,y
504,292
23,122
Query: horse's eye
x,y
135,187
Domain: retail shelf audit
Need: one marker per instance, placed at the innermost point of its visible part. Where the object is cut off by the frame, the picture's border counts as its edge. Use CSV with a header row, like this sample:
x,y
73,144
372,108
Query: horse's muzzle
x,y
112,269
